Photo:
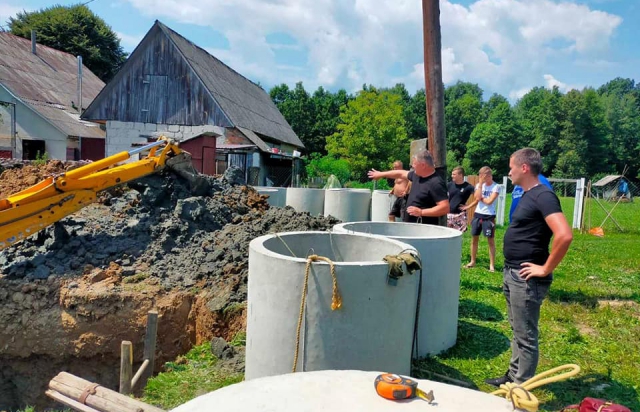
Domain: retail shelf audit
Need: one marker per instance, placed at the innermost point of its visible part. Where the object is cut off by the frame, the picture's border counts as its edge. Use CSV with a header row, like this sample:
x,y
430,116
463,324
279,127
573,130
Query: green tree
x,y
296,106
539,115
492,142
313,118
414,110
371,133
623,118
76,30
418,106
327,113
325,166
460,89
461,116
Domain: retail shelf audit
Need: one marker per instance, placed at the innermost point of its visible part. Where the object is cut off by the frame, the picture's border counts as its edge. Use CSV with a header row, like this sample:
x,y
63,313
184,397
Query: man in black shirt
x,y
428,199
528,265
459,193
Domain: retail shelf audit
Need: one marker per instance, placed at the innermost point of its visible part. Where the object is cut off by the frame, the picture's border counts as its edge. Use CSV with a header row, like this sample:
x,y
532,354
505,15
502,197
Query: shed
x,y
614,187
169,86
39,103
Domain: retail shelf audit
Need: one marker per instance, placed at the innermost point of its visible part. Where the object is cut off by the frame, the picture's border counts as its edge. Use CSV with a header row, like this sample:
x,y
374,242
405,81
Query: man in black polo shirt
x,y
528,265
428,199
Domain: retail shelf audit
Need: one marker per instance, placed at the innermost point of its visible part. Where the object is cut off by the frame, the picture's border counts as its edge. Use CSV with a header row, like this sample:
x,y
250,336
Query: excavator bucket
x,y
181,165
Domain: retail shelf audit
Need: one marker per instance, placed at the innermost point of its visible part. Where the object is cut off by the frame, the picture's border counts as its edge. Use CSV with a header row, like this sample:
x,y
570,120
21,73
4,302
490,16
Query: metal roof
x,y
47,82
606,180
245,103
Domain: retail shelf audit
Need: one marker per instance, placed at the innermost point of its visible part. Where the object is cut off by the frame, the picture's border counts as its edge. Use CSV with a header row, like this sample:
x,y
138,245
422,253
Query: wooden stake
x,y
126,362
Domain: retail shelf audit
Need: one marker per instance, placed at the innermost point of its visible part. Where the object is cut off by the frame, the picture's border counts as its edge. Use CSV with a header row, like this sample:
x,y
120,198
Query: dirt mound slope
x,y
158,229
15,177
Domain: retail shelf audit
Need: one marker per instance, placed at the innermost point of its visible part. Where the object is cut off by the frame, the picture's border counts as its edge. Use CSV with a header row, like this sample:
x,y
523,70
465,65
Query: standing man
x,y
528,265
428,199
459,193
399,193
484,218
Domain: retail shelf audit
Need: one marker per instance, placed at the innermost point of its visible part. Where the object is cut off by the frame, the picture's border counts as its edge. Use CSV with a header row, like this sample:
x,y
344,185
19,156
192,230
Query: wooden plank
x,y
60,398
104,400
73,386
126,360
140,372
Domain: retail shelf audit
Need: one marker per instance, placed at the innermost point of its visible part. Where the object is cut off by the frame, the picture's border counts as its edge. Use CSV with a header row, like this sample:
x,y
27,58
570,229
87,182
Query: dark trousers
x,y
524,299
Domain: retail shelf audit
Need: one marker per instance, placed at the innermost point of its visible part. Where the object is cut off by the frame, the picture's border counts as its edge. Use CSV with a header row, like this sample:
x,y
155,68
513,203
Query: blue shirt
x,y
518,191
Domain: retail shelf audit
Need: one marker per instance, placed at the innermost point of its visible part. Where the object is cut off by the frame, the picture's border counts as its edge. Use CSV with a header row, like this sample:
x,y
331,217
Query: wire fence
x,y
613,206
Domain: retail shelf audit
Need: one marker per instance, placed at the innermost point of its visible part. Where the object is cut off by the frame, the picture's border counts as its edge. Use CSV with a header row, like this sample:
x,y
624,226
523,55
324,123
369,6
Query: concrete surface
x,y
303,199
277,195
336,391
441,251
348,205
372,331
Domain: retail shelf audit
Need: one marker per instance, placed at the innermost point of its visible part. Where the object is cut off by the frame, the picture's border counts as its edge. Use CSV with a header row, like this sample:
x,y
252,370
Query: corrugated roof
x,y
245,103
47,82
606,180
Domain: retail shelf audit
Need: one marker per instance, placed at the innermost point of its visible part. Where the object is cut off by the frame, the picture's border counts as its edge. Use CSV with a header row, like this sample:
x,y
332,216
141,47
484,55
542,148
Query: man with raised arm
x,y
428,199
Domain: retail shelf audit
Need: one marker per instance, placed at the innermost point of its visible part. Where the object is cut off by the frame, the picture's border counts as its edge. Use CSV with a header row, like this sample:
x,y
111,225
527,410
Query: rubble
x,y
157,229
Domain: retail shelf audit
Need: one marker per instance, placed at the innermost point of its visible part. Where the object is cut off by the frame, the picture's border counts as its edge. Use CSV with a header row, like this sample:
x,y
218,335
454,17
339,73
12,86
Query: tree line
x,y
581,133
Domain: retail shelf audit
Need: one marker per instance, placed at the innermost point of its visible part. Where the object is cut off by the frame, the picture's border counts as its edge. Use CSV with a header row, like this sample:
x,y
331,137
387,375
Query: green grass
x,y
188,377
591,317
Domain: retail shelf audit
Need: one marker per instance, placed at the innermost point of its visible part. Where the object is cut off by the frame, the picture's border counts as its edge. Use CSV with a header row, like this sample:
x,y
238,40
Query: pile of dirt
x,y
19,175
158,229
71,293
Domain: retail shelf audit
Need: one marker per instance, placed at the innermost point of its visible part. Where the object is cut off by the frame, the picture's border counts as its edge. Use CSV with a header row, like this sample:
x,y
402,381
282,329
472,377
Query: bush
x,y
325,166
380,185
41,159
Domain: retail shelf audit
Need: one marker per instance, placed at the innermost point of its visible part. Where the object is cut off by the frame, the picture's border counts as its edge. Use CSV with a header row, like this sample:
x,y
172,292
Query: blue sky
x,y
506,46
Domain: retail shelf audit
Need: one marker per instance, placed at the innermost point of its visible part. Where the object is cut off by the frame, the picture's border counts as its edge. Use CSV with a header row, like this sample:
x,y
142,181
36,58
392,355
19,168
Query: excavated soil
x,y
72,293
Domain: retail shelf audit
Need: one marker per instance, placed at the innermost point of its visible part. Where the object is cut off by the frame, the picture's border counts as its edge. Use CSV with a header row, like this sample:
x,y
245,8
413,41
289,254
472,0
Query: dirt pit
x,y
72,293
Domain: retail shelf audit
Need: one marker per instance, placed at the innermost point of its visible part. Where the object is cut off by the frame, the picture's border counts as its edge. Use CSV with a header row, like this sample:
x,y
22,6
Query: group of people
x,y
535,218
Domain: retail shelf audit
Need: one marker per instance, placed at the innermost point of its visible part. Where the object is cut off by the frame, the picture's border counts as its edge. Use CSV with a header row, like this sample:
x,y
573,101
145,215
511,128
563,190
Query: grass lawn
x,y
591,317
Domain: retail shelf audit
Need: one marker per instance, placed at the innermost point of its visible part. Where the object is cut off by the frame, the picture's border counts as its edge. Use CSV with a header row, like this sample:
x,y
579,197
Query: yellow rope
x,y
520,395
336,300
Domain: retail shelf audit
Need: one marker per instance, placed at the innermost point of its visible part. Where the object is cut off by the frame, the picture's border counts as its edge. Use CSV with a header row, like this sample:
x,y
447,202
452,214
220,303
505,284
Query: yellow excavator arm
x,y
35,208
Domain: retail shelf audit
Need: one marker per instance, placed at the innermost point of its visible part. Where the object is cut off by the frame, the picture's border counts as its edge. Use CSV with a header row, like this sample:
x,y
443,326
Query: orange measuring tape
x,y
395,387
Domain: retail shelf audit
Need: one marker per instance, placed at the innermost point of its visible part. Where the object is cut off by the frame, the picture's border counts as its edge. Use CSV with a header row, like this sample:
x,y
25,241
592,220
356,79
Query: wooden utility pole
x,y
434,87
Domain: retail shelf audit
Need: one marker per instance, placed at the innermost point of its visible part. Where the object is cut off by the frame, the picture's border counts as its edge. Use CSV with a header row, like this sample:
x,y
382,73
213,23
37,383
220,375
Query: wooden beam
x,y
150,344
126,361
434,88
60,398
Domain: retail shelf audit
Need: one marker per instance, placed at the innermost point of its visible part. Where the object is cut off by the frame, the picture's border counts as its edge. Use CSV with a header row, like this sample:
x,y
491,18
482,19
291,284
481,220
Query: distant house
x,y
169,86
39,104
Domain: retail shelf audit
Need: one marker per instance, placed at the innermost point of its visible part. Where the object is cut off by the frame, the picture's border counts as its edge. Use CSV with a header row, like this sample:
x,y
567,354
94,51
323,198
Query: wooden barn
x,y
41,92
171,87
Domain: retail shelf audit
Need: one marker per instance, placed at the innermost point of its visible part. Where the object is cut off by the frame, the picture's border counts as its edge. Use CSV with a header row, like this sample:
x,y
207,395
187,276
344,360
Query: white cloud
x,y
501,44
551,82
8,10
518,94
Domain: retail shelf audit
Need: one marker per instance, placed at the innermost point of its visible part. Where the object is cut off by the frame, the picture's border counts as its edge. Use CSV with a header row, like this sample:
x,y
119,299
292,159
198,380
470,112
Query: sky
x,y
505,46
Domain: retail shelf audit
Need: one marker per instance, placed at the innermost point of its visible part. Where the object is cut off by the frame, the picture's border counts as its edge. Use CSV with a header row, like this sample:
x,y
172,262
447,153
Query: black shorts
x,y
399,208
484,224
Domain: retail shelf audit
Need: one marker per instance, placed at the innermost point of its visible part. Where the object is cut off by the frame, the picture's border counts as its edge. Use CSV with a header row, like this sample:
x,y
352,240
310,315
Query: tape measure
x,y
395,387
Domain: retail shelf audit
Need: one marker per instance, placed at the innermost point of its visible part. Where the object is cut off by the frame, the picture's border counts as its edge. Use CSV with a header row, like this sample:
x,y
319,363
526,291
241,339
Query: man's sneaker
x,y
499,381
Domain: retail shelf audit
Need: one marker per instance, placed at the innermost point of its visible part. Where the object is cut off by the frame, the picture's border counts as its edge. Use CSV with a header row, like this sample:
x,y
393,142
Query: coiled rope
x,y
519,393
336,299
